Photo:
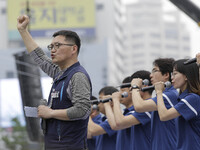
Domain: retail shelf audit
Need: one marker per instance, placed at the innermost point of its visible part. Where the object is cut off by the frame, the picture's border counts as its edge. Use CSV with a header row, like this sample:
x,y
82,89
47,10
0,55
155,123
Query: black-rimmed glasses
x,y
57,45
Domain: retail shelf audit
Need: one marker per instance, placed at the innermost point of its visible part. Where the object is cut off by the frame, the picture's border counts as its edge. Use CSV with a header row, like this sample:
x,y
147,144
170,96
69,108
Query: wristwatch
x,y
134,87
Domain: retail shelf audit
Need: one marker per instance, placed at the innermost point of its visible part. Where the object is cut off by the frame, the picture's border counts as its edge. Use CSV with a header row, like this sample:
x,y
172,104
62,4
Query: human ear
x,y
185,77
74,49
167,76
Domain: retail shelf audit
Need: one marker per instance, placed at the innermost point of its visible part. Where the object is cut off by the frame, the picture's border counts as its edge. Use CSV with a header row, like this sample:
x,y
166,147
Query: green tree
x,y
19,138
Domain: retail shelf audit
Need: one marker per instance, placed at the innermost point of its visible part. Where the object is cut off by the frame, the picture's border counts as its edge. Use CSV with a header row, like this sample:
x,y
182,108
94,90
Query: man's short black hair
x,y
70,36
127,80
108,90
164,65
142,74
93,97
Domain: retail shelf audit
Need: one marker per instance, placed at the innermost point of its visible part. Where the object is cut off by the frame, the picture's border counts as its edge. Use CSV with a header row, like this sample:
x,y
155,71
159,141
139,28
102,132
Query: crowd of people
x,y
169,119
166,120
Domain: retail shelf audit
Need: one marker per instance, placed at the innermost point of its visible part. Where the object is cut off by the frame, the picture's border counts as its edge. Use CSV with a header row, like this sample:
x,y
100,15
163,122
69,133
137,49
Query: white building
x,y
135,34
141,35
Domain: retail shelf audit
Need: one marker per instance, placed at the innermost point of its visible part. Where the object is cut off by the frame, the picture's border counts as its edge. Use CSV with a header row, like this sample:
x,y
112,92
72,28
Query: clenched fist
x,y
22,22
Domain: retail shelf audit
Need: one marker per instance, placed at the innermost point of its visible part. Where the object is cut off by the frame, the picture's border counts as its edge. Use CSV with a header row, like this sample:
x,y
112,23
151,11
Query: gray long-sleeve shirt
x,y
78,89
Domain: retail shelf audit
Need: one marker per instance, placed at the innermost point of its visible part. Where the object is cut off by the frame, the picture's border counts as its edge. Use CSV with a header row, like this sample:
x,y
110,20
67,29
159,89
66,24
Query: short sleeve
x,y
189,107
105,125
143,118
170,98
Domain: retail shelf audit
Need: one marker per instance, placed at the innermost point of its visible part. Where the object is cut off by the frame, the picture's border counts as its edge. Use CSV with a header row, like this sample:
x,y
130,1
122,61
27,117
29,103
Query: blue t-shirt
x,y
106,141
136,137
188,124
125,136
91,142
142,131
163,133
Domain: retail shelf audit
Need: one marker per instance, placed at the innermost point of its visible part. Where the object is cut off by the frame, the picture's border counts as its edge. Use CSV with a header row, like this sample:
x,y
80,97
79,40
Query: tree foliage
x,y
18,139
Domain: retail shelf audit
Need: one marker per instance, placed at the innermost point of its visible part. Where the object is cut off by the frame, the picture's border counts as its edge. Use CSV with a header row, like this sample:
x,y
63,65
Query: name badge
x,y
55,94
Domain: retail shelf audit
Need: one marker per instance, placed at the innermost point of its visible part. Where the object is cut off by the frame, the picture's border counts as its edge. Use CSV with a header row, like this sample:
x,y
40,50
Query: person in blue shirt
x,y
186,79
105,136
163,134
96,117
134,128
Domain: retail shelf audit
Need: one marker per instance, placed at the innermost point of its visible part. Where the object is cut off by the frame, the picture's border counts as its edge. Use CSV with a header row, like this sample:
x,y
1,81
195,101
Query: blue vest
x,y
60,134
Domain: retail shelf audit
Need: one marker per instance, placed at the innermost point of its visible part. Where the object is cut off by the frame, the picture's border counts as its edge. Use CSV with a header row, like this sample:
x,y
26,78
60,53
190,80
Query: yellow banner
x,y
51,14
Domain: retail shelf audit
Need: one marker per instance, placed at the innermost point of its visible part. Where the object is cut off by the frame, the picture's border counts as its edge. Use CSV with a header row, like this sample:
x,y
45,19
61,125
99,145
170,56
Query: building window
x,y
99,6
137,46
155,35
174,47
138,35
3,11
186,48
137,55
171,34
186,38
155,55
155,45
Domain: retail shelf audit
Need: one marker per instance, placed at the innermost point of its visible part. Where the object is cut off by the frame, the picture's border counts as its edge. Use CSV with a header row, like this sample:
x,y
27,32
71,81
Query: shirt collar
x,y
183,94
126,110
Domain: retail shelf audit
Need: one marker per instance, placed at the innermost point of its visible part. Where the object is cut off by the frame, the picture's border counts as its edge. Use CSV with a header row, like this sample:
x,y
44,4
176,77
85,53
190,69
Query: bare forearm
x,y
60,114
138,102
95,129
142,105
123,121
162,110
89,136
164,113
110,115
46,113
118,114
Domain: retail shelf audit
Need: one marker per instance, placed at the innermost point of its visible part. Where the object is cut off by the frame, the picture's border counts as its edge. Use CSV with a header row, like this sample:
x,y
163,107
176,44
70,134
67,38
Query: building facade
x,y
141,35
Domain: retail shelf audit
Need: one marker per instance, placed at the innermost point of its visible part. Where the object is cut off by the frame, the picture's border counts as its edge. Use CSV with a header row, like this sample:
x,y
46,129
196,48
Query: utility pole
x,y
28,13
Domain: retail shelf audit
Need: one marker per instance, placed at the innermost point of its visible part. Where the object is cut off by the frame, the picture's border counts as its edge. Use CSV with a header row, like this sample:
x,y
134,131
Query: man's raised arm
x,y
22,23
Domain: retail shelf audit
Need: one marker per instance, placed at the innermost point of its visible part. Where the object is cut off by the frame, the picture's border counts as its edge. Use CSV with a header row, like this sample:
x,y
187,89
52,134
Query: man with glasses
x,y
163,134
69,100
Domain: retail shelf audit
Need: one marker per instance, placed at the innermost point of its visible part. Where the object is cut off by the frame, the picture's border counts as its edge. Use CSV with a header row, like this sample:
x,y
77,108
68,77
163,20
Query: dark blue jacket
x,y
65,135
